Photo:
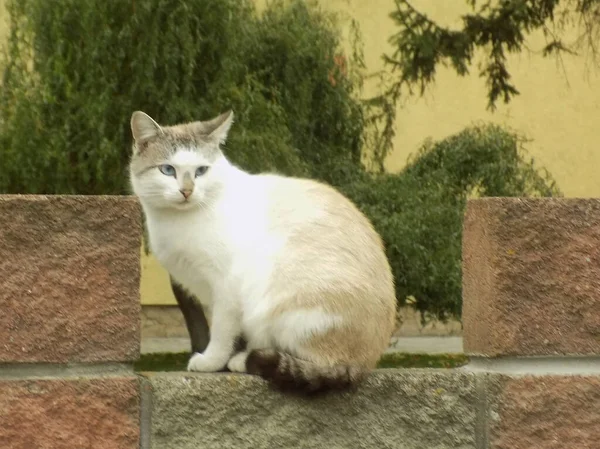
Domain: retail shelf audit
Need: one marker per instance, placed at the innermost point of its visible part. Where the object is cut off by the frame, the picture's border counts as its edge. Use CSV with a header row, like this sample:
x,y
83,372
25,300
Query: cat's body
x,y
289,264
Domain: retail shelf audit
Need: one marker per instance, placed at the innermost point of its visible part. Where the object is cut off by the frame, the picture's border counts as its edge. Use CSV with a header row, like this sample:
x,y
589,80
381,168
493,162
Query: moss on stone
x,y
178,361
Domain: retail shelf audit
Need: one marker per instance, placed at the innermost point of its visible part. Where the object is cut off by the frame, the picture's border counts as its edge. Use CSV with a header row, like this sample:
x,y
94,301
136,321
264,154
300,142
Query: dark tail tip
x,y
263,363
290,374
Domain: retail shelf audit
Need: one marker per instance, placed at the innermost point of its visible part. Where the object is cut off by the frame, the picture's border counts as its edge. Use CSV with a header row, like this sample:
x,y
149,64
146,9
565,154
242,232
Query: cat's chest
x,y
227,241
187,248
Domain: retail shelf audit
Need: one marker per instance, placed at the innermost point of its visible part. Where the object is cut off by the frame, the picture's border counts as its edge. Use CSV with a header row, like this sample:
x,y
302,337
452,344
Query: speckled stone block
x,y
531,277
70,274
544,412
70,414
400,409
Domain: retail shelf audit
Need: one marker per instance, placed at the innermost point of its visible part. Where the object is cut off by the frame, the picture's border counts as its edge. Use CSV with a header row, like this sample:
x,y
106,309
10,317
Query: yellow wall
x,y
559,109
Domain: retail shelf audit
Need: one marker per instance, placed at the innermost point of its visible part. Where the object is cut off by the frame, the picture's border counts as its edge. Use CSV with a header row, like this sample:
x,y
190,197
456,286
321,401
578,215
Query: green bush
x,y
419,211
76,69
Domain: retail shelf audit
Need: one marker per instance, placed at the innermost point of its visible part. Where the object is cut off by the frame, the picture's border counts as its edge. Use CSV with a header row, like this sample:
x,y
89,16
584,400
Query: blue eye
x,y
167,170
201,170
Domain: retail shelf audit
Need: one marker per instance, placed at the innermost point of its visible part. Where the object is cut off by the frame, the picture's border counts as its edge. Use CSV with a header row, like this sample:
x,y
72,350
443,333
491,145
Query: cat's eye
x,y
167,169
201,170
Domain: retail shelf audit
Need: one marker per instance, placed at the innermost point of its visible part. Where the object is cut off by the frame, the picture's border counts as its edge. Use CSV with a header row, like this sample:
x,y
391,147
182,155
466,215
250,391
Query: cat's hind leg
x,y
237,363
194,315
244,347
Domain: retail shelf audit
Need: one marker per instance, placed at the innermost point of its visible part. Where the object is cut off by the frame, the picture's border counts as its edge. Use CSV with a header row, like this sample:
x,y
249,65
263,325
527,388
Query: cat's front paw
x,y
201,363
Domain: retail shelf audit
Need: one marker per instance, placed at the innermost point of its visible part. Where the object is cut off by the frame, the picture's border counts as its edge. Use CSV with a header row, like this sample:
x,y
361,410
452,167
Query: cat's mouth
x,y
185,204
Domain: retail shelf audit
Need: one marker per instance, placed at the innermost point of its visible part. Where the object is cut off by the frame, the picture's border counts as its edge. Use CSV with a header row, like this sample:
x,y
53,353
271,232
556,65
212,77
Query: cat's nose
x,y
186,193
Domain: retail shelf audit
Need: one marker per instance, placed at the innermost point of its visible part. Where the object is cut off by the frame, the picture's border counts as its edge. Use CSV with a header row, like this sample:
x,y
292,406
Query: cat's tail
x,y
290,373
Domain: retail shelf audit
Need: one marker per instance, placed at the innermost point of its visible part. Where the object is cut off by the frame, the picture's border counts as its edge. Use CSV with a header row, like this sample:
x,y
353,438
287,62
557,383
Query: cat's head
x,y
178,167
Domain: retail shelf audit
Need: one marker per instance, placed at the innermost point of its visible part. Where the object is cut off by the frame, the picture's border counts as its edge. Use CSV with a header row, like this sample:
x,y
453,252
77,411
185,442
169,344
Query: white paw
x,y
201,363
237,363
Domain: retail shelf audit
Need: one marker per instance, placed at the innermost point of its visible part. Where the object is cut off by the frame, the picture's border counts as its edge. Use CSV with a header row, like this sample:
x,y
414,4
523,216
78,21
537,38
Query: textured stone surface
x,y
65,414
400,409
547,412
70,278
531,277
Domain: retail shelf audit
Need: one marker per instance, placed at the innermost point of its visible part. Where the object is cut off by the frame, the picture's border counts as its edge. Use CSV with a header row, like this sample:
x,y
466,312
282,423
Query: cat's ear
x,y
143,127
218,128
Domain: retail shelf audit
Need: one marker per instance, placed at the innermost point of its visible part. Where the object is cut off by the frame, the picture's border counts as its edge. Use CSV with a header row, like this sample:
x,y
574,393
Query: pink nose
x,y
186,193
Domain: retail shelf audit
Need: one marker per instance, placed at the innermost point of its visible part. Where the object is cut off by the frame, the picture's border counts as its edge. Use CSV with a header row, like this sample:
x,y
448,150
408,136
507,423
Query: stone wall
x,y
69,332
69,322
531,316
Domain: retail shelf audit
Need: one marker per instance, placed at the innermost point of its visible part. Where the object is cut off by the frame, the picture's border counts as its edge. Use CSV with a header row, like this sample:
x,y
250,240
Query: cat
x,y
288,264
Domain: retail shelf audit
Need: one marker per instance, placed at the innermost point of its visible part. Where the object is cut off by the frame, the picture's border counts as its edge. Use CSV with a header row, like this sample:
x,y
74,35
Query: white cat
x,y
289,264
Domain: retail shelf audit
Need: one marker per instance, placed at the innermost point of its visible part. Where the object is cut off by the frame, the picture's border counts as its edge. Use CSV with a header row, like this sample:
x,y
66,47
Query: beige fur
x,y
344,236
